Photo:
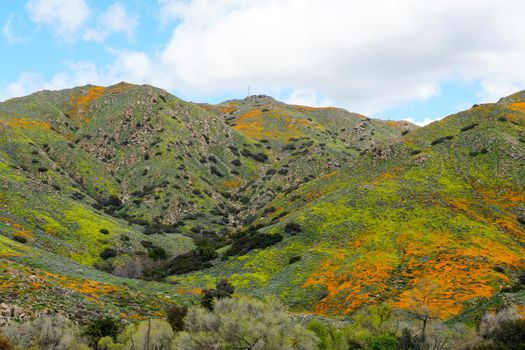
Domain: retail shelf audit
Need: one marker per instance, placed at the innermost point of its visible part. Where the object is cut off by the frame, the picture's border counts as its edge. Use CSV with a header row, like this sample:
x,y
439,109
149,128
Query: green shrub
x,y
176,316
104,231
158,253
152,334
441,140
194,260
243,324
381,342
469,127
408,341
147,244
294,259
20,239
102,327
252,240
108,253
292,228
49,332
223,289
510,335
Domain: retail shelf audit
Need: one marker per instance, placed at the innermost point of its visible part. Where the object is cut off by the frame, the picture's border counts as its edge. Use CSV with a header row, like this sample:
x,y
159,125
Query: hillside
x,y
109,188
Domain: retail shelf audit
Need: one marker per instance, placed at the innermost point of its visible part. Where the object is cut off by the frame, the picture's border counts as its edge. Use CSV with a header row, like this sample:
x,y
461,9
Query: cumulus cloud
x,y
114,20
305,97
79,73
66,17
365,55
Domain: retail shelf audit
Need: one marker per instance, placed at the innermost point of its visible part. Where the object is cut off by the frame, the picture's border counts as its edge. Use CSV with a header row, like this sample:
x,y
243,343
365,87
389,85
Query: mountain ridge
x,y
328,210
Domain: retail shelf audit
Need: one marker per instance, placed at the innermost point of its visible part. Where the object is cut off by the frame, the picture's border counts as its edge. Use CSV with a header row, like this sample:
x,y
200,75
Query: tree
x,y
374,318
223,289
510,335
407,341
490,321
101,327
152,334
176,316
329,338
421,305
242,323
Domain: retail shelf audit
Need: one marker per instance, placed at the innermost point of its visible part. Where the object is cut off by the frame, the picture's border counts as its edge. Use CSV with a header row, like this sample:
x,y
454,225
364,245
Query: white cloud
x,y
66,17
80,73
423,122
114,20
8,31
305,97
365,55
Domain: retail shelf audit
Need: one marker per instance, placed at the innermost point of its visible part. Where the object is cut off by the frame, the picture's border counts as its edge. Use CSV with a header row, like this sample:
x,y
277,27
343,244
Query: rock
x,y
8,312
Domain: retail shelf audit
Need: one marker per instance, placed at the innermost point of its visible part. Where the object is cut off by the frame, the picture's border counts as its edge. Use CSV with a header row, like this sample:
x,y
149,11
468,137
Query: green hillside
x,y
130,188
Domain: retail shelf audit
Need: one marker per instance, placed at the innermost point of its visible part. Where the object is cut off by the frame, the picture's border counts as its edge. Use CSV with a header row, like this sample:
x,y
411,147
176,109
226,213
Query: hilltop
x,y
127,199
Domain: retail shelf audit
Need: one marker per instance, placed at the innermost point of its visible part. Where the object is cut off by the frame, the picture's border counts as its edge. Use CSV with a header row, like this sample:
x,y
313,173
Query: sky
x,y
391,59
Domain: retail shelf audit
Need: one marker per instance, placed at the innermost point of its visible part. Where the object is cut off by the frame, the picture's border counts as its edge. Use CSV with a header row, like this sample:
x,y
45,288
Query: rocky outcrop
x,y
9,311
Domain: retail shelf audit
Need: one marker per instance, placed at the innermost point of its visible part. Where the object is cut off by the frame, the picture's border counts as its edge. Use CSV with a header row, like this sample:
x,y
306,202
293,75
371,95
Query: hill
x,y
114,187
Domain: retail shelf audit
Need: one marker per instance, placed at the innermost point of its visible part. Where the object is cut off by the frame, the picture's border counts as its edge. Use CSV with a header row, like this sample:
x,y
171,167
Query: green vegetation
x,y
125,201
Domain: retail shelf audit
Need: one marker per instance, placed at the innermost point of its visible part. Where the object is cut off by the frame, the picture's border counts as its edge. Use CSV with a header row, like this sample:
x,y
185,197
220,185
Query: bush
x,y
176,316
469,127
108,253
381,342
160,228
243,324
51,332
101,327
510,335
329,337
194,260
151,334
5,344
408,341
147,244
252,240
294,259
104,231
20,239
293,228
521,278
158,253
521,220
441,140
223,289
260,157
215,171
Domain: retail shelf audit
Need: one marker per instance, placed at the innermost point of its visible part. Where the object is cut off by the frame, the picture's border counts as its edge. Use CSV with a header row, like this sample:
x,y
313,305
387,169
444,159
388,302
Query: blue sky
x,y
392,60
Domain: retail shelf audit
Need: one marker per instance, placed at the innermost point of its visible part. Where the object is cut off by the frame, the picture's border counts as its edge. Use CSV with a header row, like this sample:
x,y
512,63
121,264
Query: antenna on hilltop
x,y
248,91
